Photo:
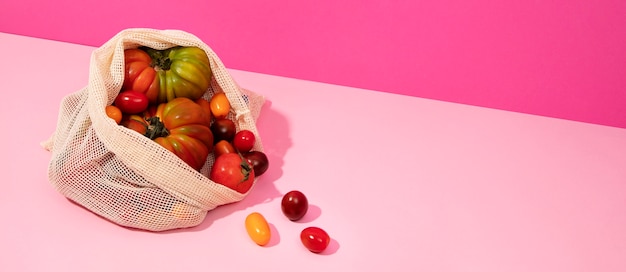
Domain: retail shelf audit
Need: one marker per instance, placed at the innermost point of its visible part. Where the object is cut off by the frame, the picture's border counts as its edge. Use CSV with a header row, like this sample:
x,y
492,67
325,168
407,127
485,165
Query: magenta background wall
x,y
559,58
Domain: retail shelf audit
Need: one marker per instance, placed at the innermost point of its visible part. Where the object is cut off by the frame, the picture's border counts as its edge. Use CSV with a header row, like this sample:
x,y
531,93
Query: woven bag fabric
x,y
123,176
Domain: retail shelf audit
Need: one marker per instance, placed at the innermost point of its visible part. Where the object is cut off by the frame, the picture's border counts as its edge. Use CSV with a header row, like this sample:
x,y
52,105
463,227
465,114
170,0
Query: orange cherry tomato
x,y
114,113
258,229
220,106
223,147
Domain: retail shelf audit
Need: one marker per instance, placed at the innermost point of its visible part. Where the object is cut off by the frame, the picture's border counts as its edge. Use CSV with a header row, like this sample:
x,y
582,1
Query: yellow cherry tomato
x,y
258,229
220,106
181,212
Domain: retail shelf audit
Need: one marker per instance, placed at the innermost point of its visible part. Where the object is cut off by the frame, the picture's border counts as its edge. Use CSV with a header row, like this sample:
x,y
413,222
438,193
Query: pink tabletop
x,y
400,183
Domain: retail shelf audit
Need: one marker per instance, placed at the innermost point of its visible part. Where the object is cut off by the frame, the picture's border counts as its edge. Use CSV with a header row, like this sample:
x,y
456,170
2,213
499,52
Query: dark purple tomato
x,y
315,239
223,129
258,160
294,205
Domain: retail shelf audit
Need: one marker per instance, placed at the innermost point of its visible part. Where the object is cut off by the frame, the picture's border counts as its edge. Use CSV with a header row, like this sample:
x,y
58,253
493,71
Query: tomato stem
x,y
246,168
156,128
160,58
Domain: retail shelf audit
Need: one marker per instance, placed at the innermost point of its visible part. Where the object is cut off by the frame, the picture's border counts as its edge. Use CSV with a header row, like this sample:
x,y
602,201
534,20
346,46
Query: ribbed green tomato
x,y
182,72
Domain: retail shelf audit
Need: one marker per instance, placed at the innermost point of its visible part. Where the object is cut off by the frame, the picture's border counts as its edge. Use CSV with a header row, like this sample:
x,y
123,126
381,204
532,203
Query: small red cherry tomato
x,y
131,102
294,205
315,239
244,140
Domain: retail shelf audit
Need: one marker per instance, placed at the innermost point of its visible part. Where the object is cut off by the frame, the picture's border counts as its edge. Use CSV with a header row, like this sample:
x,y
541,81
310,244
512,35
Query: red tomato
x,y
315,239
232,171
244,140
131,102
294,205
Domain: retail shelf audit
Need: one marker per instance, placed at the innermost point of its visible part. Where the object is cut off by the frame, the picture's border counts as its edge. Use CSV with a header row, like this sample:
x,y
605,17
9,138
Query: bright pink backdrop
x,y
562,58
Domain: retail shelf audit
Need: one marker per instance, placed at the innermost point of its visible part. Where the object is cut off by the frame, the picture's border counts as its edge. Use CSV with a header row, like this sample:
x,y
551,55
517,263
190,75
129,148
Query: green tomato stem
x,y
156,128
160,58
246,168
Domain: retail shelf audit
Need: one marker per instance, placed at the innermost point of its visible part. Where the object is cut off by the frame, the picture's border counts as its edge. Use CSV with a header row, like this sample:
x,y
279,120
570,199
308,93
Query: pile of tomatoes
x,y
294,206
162,99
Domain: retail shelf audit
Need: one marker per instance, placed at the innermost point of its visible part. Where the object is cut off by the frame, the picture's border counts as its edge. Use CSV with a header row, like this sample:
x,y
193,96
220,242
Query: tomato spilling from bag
x,y
180,126
232,171
163,75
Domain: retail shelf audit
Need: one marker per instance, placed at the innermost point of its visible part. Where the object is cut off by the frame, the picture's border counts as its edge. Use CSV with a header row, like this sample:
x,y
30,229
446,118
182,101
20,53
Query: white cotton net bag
x,y
122,175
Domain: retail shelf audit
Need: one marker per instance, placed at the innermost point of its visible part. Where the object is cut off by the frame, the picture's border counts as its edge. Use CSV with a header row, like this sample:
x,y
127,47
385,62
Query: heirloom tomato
x,y
163,75
232,171
182,71
181,127
139,74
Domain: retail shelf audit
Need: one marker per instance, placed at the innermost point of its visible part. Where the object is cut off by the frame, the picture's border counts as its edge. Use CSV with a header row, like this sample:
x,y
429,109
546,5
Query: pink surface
x,y
400,183
564,59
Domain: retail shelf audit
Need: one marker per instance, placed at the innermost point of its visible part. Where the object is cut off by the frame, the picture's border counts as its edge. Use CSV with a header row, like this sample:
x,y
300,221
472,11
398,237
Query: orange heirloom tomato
x,y
114,113
220,106
258,229
140,76
181,127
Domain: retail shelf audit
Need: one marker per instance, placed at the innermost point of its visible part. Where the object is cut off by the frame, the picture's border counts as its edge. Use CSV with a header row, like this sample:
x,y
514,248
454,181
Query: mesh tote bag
x,y
122,175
